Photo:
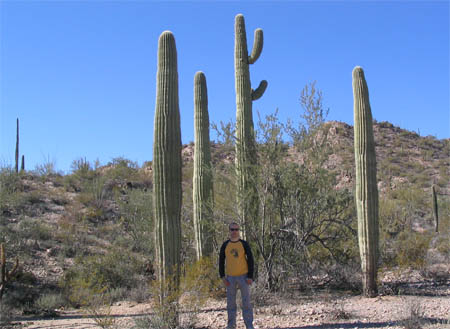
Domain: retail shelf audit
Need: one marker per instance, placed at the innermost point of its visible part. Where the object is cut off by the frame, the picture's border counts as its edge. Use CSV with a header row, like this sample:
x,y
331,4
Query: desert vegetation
x,y
108,233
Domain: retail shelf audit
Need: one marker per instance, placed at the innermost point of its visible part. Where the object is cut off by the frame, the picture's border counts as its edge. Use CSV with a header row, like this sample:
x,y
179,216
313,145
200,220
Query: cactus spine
x,y
246,157
202,180
435,207
366,183
5,276
167,166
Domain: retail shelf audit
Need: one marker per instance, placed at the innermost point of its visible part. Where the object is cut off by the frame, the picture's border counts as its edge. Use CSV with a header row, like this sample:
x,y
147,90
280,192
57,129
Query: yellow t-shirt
x,y
235,260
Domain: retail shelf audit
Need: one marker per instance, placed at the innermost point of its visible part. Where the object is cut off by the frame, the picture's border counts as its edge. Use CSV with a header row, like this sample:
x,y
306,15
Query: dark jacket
x,y
248,254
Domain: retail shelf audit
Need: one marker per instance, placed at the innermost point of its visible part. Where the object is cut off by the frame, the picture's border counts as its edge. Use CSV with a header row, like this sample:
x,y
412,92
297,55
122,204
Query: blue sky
x,y
81,75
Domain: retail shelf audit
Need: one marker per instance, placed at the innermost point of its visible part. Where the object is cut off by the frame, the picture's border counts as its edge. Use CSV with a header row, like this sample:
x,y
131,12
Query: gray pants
x,y
247,309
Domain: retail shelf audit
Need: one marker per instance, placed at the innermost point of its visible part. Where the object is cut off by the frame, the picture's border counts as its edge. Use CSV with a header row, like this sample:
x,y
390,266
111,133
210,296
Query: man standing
x,y
236,261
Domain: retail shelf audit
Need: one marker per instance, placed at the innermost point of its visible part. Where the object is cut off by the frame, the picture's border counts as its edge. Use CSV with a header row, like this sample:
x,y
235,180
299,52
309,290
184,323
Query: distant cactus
x,y
366,184
5,276
435,207
202,180
17,146
167,164
246,157
22,166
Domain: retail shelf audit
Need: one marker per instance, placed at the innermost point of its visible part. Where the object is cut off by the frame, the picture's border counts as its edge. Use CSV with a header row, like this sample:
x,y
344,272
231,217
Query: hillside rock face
x,y
403,157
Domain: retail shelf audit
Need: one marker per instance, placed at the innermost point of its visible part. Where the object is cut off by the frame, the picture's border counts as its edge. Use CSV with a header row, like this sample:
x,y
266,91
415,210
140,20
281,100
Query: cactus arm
x,y
366,194
256,94
257,46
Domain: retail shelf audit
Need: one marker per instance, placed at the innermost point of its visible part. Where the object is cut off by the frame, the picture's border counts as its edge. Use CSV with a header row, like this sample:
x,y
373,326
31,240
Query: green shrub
x,y
443,245
411,249
48,303
136,220
116,269
35,229
199,281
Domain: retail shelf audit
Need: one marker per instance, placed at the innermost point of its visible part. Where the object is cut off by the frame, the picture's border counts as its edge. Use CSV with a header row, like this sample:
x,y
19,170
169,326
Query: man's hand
x,y
226,282
249,281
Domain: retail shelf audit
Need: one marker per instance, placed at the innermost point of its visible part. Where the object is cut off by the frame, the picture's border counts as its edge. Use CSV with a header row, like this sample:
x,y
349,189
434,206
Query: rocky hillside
x,y
403,157
54,223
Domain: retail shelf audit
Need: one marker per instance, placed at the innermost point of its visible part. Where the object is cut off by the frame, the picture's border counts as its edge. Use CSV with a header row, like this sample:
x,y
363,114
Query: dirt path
x,y
318,312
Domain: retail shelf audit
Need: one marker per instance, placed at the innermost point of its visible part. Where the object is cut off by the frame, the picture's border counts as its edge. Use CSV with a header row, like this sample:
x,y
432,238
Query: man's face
x,y
234,232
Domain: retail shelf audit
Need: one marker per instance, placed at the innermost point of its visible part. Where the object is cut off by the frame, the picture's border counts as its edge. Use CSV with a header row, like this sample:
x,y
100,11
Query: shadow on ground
x,y
367,325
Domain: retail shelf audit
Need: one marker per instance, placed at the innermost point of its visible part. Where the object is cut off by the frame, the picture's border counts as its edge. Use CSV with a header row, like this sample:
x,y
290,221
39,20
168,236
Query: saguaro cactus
x,y
5,276
202,180
17,146
366,184
435,207
246,157
167,165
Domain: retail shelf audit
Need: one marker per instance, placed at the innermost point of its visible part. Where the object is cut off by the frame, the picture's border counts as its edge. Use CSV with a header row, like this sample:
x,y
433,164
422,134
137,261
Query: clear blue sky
x,y
81,75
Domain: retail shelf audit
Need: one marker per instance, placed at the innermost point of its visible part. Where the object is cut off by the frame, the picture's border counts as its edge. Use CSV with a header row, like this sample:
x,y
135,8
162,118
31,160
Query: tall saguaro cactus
x,y
202,180
366,184
435,207
167,165
246,157
17,146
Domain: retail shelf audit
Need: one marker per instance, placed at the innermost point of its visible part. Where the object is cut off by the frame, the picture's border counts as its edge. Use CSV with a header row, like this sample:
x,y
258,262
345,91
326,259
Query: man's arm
x,y
222,259
250,261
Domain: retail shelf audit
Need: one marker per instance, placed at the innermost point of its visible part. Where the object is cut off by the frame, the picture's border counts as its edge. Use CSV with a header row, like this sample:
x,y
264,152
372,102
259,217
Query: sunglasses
x,y
234,229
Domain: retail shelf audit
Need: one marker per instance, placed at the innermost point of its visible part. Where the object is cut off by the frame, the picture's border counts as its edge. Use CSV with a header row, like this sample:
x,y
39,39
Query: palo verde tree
x,y
305,222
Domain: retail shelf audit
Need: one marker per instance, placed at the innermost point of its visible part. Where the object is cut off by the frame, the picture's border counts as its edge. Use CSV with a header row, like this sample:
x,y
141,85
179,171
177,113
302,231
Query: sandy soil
x,y
321,310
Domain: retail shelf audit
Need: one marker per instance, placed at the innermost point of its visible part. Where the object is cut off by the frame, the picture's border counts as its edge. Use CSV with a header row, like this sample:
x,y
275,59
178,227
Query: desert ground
x,y
419,304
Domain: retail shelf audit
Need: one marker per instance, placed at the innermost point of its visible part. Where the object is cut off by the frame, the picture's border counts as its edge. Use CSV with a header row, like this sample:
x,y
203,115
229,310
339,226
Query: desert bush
x,y
337,311
116,269
20,296
12,196
123,169
411,249
95,298
46,169
82,174
136,220
35,229
155,322
6,314
139,294
180,306
415,313
94,192
47,303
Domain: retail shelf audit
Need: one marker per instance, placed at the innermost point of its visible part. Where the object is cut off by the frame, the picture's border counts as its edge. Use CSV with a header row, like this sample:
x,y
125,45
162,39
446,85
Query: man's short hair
x,y
233,224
